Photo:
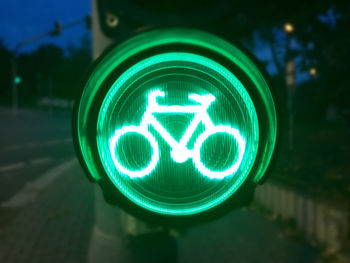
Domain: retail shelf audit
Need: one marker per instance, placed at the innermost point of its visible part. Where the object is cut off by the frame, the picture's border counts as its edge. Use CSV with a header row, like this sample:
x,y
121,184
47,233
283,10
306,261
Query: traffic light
x,y
177,126
57,31
88,22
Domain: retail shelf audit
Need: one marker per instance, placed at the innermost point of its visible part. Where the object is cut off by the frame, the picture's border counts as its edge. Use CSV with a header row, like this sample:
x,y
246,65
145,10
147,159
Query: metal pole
x,y
51,95
14,85
117,236
290,81
290,85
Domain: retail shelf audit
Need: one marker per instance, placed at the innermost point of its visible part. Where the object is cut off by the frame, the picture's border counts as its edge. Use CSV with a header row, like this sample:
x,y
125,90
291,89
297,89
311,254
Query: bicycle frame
x,y
180,153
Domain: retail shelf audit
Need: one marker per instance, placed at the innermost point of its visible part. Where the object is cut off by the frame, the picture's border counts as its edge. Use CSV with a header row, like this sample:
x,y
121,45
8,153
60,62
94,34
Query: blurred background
x,y
48,207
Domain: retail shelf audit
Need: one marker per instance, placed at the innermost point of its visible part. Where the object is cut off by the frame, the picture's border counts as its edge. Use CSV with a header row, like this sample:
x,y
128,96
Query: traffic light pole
x,y
290,83
106,241
116,235
14,85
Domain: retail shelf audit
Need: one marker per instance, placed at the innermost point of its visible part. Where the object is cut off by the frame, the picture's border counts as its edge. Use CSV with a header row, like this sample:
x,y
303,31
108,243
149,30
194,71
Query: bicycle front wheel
x,y
113,143
241,145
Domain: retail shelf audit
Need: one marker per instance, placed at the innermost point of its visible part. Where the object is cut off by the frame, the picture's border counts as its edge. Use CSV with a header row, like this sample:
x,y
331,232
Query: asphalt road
x,y
31,142
47,206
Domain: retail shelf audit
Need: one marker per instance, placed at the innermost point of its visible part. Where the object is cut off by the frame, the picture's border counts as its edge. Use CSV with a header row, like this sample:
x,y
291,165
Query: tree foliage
x,y
326,41
5,73
49,71
320,40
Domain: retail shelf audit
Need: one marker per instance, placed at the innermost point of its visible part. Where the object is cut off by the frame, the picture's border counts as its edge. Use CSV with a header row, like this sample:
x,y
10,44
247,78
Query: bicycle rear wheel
x,y
232,169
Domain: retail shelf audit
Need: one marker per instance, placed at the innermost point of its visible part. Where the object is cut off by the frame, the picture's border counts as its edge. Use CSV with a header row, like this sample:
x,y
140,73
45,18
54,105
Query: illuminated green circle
x,y
160,98
196,78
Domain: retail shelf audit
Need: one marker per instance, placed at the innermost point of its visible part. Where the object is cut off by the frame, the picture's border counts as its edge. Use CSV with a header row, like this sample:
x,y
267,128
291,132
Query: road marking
x,y
52,142
32,144
40,160
58,141
19,165
36,144
12,147
30,192
11,167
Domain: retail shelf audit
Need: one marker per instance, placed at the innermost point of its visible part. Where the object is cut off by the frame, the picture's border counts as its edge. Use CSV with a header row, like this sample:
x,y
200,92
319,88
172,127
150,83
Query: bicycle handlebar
x,y
202,99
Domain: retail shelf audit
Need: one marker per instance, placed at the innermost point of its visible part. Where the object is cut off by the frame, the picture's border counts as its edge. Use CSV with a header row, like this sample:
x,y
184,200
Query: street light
x,y
288,28
313,71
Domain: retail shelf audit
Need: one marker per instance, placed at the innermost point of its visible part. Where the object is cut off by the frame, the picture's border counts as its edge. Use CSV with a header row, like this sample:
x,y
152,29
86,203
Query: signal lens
x,y
177,133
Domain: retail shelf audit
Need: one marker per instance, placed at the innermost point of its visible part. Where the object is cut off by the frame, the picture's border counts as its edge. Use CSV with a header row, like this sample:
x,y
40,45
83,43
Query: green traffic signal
x,y
177,121
188,95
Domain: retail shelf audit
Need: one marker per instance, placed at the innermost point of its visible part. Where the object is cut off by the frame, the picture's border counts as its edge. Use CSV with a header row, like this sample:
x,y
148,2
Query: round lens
x,y
177,133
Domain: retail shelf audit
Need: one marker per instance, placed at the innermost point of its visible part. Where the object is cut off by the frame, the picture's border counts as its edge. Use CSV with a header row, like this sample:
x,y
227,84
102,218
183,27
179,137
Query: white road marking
x,y
12,147
30,192
36,144
19,165
11,167
32,144
52,142
40,160
65,140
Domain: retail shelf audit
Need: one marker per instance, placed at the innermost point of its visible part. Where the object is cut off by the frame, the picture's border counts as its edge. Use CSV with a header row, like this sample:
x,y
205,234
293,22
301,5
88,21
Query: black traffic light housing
x,y
159,42
225,18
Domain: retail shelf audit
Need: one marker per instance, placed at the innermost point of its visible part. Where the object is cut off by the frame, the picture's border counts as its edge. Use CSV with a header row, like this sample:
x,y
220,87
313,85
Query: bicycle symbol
x,y
179,152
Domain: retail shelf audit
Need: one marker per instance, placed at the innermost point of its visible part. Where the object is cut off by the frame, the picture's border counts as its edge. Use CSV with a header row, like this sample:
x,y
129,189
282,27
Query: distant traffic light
x,y
18,80
177,126
88,22
57,31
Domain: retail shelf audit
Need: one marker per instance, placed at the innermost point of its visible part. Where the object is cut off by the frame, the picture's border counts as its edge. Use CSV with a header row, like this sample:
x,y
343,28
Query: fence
x,y
322,221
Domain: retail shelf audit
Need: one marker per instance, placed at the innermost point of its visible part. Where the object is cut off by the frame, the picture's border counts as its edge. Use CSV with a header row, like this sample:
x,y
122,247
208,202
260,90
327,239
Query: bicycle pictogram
x,y
179,151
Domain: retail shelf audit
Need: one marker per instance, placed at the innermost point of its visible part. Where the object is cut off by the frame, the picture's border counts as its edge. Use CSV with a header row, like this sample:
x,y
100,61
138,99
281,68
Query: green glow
x,y
189,174
18,80
159,38
177,133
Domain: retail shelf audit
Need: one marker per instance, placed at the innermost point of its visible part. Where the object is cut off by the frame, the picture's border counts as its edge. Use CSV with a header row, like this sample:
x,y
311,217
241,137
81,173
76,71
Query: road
x,y
47,206
30,143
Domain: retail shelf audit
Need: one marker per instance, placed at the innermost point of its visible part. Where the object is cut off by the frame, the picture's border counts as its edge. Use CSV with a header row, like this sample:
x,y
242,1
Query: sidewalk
x,y
55,227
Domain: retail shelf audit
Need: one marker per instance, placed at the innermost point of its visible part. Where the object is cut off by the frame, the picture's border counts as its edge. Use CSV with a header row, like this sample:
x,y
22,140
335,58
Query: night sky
x,y
22,19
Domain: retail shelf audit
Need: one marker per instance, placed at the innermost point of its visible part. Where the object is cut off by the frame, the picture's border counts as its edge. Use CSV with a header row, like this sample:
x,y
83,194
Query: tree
x,y
38,71
326,42
5,74
49,71
70,73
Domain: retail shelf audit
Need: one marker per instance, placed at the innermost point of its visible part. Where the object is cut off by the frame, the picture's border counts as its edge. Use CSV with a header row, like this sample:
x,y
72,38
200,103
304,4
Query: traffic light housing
x,y
177,126
226,18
